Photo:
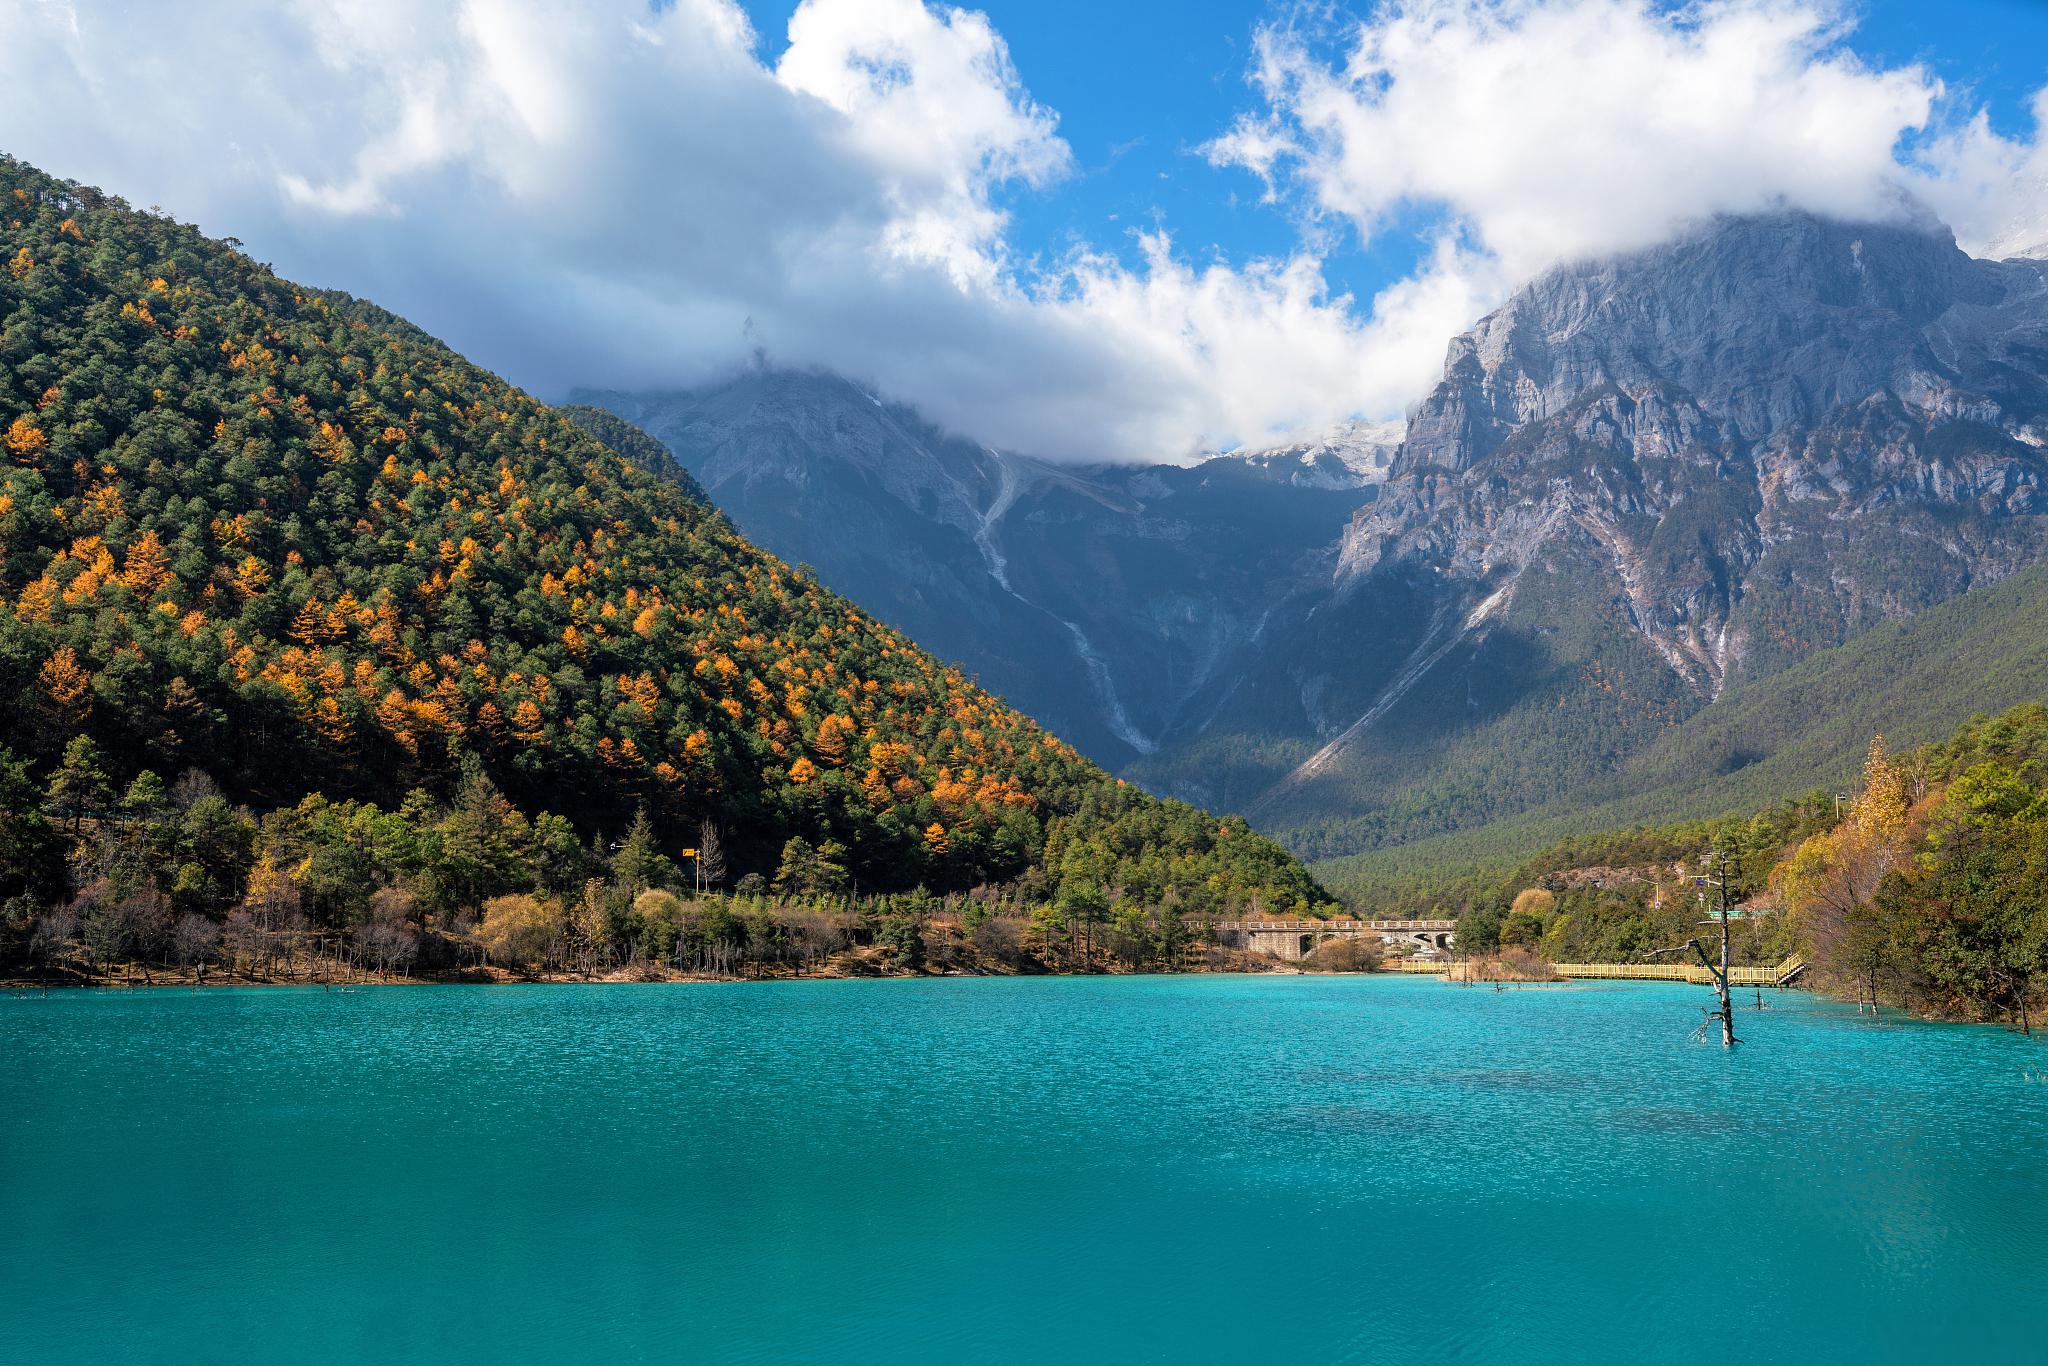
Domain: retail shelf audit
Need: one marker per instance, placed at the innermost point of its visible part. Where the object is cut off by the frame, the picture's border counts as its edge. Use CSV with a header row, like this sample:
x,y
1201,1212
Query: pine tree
x,y
147,796
637,864
79,787
31,859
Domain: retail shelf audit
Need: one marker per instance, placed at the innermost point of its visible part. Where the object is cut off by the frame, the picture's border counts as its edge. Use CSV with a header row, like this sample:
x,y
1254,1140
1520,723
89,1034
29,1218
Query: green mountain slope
x,y
1914,680
280,536
635,445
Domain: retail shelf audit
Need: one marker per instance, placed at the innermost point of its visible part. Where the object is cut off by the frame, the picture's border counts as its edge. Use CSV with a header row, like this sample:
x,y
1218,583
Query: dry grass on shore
x,y
1511,965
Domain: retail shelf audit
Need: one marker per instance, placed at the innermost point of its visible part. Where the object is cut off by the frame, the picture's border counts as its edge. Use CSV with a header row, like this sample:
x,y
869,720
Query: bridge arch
x,y
1297,939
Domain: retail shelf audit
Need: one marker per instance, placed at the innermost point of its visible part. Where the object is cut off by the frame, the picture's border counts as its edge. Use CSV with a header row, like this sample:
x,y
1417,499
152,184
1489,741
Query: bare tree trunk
x,y
1721,978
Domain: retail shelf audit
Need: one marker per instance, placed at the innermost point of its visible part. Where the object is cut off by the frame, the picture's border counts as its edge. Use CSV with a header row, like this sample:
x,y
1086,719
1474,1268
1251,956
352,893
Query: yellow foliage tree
x,y
641,691
147,566
38,600
26,440
331,444
1831,881
522,931
65,681
833,733
528,725
252,576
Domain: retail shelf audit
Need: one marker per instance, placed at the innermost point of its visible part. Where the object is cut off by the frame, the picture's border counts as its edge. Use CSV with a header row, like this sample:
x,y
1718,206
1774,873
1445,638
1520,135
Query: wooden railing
x,y
1684,972
1643,972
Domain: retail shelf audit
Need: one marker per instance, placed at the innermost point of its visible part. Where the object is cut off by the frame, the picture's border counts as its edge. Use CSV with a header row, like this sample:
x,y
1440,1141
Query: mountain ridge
x,y
1644,481
1809,726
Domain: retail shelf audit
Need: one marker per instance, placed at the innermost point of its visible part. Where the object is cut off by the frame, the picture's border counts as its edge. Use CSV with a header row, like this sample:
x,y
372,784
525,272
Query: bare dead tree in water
x,y
1719,860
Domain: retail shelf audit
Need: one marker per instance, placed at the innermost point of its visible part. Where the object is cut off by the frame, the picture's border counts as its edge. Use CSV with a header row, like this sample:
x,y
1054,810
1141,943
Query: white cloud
x,y
1993,189
604,192
1552,130
1534,132
936,102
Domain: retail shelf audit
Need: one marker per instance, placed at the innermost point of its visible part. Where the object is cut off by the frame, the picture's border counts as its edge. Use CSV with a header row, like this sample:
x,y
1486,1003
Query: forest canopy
x,y
279,538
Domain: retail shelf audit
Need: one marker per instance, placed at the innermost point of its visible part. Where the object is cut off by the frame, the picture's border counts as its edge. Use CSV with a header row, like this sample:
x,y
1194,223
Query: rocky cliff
x,y
1647,477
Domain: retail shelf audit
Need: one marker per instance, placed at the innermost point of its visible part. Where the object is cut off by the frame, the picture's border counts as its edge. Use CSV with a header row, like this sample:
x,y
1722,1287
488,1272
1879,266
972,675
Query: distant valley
x,y
1119,604
1643,484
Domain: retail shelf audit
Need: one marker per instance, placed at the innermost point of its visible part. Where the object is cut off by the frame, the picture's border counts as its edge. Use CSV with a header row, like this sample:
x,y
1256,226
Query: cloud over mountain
x,y
629,195
1530,133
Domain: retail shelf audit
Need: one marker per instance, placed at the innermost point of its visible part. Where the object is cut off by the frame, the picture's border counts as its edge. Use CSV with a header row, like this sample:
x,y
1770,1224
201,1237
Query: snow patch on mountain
x,y
1354,454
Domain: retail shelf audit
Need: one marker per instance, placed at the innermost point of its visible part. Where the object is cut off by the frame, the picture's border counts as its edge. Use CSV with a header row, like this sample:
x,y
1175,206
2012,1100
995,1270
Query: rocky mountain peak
x,y
1782,394
1766,320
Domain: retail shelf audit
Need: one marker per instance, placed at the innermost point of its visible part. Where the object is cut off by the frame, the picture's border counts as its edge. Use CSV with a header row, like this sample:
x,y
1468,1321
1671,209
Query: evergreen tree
x,y
79,787
638,865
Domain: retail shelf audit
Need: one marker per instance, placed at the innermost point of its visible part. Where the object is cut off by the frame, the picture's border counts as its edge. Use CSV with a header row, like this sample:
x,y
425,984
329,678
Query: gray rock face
x,y
1639,481
1853,414
1113,603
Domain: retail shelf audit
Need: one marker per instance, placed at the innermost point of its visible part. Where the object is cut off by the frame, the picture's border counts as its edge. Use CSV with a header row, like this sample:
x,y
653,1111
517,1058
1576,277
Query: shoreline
x,y
160,980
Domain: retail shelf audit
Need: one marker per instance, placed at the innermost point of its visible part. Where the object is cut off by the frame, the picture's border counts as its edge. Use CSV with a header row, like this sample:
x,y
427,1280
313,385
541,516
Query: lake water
x,y
1134,1169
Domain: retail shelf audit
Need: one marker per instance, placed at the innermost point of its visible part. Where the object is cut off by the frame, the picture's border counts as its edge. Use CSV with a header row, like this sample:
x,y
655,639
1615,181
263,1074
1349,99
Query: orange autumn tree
x,y
65,682
146,568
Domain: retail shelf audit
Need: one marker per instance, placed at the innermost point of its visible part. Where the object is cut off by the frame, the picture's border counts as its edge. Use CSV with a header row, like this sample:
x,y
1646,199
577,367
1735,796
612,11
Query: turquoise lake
x,y
1070,1169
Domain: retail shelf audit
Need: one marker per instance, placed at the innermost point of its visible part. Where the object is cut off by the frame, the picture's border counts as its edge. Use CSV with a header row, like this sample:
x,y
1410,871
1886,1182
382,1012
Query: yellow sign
x,y
689,853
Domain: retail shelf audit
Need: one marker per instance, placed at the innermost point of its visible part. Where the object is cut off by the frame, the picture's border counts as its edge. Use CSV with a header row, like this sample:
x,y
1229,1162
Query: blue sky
x,y
1140,85
1118,230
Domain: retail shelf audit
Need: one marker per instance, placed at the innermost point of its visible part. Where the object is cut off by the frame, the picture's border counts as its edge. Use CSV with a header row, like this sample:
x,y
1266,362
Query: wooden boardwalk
x,y
1779,975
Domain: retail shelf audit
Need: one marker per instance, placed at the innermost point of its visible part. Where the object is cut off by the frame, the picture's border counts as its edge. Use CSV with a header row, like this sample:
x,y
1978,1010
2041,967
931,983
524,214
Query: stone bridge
x,y
1294,940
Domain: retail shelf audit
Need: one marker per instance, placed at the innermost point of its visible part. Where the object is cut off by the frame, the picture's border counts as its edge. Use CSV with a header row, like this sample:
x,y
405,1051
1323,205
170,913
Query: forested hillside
x,y
279,540
1924,884
1915,680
